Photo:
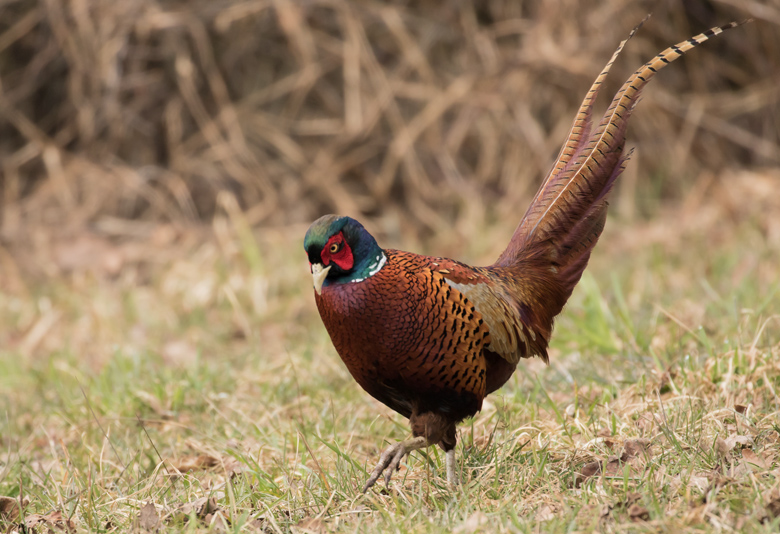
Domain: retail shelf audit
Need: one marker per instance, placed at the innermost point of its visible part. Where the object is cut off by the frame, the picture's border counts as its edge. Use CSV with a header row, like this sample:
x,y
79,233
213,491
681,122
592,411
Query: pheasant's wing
x,y
514,329
447,356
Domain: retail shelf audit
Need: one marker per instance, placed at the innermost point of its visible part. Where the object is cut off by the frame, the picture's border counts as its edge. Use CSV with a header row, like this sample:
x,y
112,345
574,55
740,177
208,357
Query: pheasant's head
x,y
340,251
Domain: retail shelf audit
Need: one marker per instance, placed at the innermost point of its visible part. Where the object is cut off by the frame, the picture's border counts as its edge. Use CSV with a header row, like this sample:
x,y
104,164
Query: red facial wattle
x,y
343,254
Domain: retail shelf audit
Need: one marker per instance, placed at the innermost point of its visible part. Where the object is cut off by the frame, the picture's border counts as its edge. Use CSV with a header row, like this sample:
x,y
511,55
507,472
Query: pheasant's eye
x,y
335,247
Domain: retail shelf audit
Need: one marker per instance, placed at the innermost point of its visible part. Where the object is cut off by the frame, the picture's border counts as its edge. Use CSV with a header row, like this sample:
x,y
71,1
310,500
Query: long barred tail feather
x,y
579,132
568,212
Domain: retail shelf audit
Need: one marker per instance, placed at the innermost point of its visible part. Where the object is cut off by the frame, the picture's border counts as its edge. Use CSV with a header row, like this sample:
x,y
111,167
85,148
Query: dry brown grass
x,y
429,116
204,373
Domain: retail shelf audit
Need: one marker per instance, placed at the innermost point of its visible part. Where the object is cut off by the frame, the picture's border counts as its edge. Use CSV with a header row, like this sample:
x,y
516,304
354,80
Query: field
x,y
209,375
162,363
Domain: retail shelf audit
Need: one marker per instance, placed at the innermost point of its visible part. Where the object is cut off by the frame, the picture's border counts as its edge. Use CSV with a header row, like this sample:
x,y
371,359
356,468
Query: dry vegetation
x,y
162,366
203,393
423,115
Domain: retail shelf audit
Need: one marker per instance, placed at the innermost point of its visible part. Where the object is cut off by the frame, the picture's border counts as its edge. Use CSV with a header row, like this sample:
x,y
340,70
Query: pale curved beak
x,y
318,272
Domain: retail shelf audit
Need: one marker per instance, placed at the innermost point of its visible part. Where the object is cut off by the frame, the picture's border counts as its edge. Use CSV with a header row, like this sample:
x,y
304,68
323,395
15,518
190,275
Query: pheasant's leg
x,y
391,458
452,475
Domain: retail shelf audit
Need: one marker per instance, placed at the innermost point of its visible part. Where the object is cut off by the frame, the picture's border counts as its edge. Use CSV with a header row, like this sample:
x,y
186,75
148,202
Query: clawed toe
x,y
390,460
395,463
384,461
389,463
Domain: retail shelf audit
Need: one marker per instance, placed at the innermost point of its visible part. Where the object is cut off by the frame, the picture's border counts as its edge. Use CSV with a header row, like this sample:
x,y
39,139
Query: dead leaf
x,y
217,521
752,458
588,470
722,447
631,498
34,520
636,448
257,524
53,521
148,518
645,423
740,469
725,446
733,440
193,463
637,512
615,466
635,451
739,408
233,467
200,507
773,506
10,509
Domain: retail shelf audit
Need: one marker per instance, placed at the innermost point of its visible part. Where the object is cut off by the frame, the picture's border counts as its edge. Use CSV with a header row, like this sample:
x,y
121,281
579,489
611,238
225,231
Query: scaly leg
x,y
452,475
391,459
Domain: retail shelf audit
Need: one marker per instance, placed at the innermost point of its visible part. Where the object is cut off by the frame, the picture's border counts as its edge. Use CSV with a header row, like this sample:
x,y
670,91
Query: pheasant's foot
x,y
452,475
390,460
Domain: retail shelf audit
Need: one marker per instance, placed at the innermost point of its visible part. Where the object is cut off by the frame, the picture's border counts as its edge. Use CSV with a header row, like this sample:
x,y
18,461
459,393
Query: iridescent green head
x,y
340,251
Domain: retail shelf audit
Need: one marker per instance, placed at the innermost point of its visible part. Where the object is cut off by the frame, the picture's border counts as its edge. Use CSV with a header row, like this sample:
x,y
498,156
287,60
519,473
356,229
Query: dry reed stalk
x,y
431,116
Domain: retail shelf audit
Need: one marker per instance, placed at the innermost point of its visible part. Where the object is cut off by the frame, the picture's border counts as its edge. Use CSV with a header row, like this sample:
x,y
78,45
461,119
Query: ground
x,y
182,380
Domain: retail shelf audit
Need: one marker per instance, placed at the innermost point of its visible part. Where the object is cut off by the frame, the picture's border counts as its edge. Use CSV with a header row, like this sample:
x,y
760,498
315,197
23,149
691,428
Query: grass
x,y
208,374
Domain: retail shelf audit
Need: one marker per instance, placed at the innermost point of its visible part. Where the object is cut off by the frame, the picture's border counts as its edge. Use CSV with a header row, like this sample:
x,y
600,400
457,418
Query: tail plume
x,y
568,212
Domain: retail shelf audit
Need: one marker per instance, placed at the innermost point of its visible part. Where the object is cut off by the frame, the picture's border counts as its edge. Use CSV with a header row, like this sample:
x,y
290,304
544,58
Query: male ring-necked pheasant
x,y
430,337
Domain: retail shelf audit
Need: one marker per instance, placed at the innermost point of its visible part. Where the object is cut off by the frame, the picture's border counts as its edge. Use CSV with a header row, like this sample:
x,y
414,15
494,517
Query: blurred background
x,y
422,119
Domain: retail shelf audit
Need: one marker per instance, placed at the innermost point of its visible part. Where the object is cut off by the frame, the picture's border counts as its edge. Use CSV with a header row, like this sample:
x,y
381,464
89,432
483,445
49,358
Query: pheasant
x,y
430,337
